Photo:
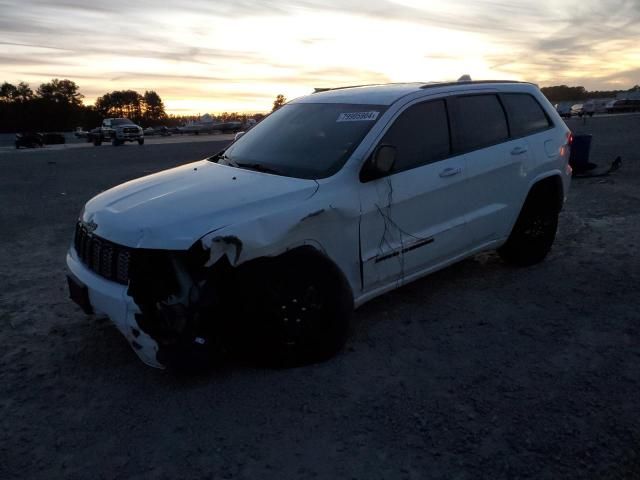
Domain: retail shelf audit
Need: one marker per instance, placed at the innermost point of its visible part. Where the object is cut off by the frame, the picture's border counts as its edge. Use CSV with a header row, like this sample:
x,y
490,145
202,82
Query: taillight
x,y
566,148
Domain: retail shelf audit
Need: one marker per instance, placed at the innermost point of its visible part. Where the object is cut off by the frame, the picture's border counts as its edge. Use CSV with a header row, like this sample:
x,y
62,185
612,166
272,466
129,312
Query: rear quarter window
x,y
525,114
480,122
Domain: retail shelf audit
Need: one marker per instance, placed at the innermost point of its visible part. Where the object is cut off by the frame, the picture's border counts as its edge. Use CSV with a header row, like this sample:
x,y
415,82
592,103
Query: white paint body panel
x,y
174,208
405,210
340,216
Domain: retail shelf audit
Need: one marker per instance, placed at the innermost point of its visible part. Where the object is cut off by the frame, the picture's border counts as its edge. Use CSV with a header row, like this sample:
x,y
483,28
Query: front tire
x,y
141,141
532,236
301,311
97,141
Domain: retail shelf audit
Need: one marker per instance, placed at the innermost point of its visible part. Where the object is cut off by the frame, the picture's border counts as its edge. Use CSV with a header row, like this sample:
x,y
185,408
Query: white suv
x,y
332,200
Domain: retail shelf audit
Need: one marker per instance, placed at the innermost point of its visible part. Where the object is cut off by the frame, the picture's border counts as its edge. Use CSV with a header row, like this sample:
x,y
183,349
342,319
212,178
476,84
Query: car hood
x,y
174,208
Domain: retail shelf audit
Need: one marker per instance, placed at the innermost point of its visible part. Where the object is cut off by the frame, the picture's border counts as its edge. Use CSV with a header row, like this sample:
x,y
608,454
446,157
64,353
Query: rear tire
x,y
533,234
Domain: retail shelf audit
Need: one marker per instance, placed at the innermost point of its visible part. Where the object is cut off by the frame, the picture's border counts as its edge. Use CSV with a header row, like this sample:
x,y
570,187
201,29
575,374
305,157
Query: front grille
x,y
105,258
130,130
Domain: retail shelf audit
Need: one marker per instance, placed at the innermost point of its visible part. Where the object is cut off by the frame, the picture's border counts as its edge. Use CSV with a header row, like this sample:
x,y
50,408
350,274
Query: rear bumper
x,y
111,299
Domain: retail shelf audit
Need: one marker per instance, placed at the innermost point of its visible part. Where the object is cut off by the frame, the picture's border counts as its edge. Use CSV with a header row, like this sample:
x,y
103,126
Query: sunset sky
x,y
237,55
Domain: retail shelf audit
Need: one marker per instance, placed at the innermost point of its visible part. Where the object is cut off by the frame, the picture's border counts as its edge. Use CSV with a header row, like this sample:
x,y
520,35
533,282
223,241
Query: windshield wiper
x,y
228,160
258,167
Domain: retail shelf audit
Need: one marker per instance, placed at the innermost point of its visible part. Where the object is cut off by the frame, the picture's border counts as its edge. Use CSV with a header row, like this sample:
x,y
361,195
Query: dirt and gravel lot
x,y
478,371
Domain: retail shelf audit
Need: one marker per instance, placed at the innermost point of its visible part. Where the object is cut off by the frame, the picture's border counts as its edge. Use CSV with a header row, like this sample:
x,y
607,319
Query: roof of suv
x,y
385,94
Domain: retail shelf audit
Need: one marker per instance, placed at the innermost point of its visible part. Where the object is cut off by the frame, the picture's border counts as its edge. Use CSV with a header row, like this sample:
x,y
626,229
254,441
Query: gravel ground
x,y
478,371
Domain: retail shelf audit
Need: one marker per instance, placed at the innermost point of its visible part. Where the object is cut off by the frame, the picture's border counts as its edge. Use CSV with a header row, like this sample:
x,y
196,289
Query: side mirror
x,y
238,135
380,164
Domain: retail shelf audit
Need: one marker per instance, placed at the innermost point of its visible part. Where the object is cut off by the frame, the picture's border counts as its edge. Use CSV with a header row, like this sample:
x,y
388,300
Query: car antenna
x,y
465,78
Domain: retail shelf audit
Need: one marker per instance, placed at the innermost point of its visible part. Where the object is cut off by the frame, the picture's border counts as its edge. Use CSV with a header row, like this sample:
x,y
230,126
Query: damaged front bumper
x,y
111,299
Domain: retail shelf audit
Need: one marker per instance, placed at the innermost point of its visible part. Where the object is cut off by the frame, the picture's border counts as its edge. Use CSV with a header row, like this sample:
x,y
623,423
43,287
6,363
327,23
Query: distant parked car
x,y
577,110
118,131
210,127
563,110
249,124
589,107
80,133
229,127
53,138
159,130
37,139
29,140
622,106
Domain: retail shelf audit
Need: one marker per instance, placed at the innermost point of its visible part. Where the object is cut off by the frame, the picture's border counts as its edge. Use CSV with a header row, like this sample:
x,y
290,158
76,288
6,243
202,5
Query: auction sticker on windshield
x,y
357,117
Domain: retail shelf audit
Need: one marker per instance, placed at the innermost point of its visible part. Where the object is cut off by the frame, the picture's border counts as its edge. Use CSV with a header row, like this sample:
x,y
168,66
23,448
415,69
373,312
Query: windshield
x,y
304,140
121,121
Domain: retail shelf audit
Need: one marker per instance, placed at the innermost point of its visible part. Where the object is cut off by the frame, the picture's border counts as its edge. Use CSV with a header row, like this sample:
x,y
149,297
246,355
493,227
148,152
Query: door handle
x,y
450,172
519,151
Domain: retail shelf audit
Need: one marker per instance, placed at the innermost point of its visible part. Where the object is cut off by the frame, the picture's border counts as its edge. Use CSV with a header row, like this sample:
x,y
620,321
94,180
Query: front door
x,y
414,218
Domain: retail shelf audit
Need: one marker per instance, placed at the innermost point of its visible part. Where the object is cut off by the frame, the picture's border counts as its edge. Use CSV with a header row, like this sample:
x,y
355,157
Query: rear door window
x,y
480,122
420,135
526,116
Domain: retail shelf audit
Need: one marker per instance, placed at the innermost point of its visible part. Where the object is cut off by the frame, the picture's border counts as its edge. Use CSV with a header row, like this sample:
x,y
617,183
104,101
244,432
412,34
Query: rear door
x,y
496,164
415,217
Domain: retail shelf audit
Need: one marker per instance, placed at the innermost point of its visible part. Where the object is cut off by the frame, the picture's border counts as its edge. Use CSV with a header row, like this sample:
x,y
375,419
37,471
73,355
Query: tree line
x,y
58,106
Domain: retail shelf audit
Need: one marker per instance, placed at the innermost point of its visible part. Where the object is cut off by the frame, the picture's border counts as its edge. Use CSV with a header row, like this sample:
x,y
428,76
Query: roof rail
x,y
464,82
330,89
423,85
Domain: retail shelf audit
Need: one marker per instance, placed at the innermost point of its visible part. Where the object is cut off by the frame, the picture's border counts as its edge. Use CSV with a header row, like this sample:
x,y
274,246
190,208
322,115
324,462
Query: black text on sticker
x,y
357,117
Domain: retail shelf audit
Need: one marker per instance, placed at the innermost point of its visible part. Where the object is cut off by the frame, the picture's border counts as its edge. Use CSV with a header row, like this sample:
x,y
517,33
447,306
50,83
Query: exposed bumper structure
x,y
111,299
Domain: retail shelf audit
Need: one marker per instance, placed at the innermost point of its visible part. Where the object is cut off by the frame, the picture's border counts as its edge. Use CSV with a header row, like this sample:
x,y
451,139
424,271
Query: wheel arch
x,y
308,254
549,186
549,189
